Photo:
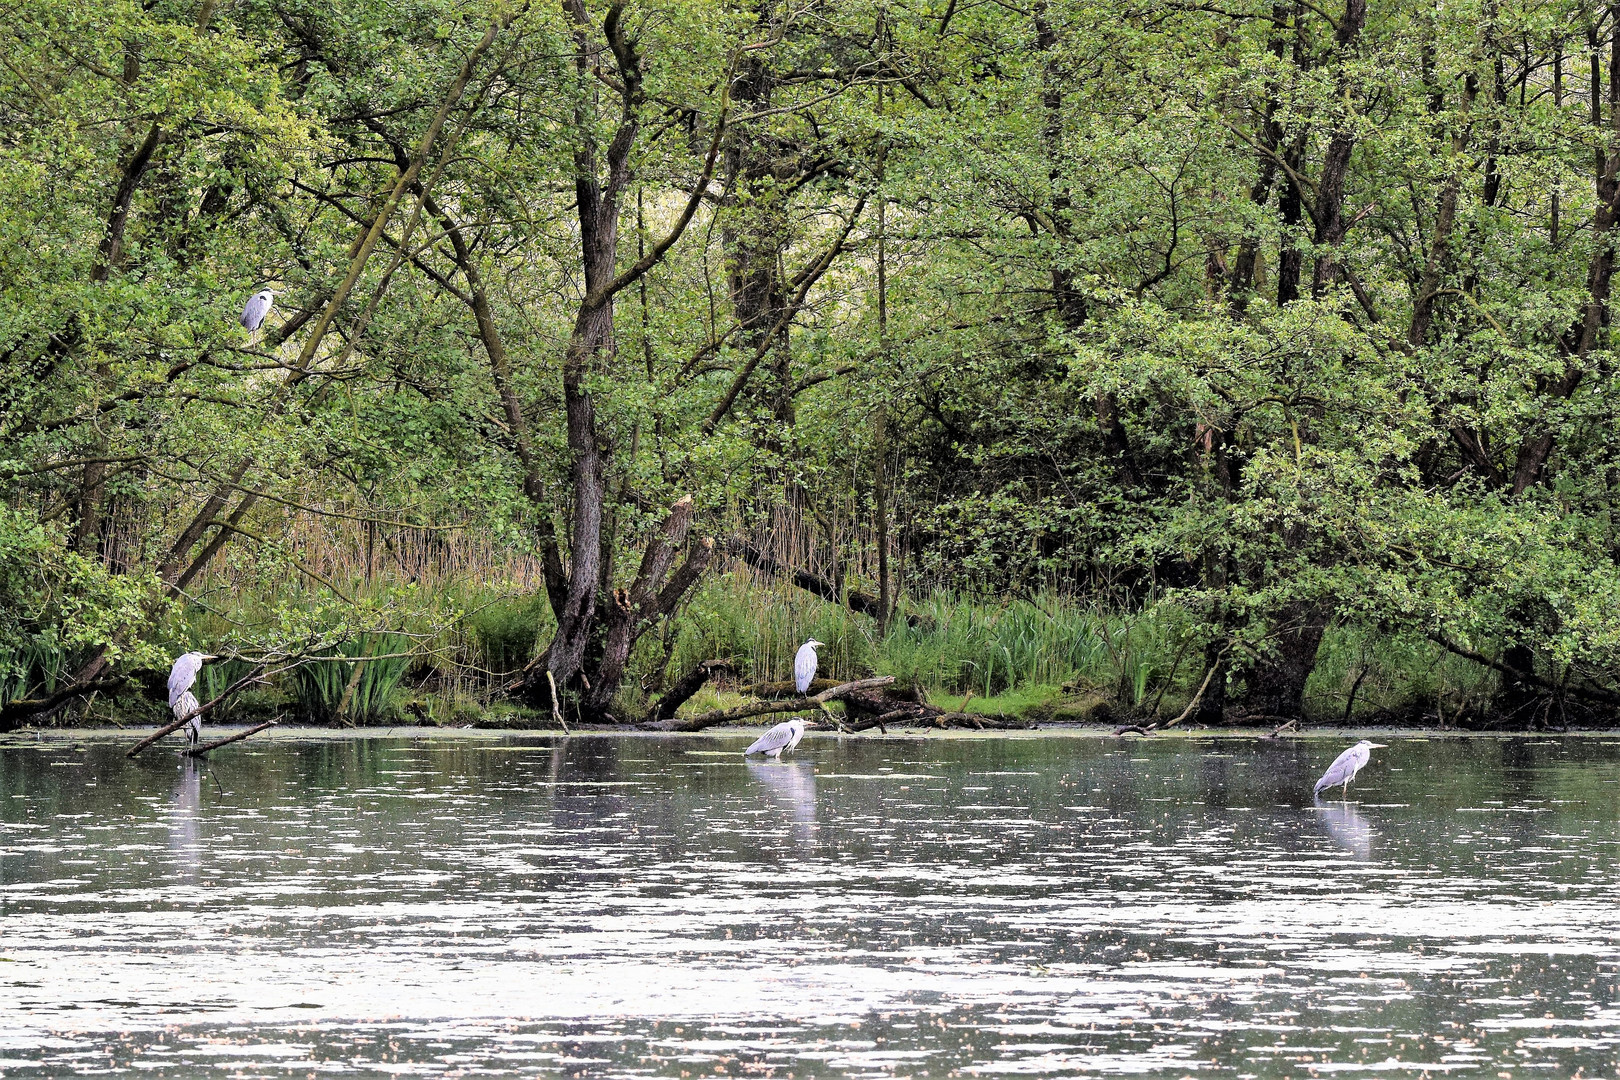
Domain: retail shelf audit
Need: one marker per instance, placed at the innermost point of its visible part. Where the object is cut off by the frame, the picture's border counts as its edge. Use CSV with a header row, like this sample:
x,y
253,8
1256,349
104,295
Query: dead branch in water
x,y
1193,704
256,672
227,740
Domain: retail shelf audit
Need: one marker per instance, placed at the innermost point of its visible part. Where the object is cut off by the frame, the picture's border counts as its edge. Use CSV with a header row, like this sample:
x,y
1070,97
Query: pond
x,y
649,906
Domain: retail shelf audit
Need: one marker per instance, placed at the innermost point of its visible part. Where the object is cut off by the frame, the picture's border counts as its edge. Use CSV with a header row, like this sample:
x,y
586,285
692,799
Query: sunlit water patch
x,y
645,907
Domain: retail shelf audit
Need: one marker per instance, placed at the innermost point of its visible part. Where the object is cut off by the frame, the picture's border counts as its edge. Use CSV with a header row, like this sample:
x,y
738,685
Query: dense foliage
x,y
1293,319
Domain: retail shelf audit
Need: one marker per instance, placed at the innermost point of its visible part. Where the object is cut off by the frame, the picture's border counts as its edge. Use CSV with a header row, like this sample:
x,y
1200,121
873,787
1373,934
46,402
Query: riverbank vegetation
x,y
1074,361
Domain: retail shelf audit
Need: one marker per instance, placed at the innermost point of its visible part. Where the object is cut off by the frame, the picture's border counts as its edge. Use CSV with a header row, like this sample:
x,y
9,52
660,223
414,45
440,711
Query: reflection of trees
x,y
583,760
1347,828
792,786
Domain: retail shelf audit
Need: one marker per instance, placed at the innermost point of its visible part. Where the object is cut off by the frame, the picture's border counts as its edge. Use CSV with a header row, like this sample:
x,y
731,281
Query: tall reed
x,y
352,691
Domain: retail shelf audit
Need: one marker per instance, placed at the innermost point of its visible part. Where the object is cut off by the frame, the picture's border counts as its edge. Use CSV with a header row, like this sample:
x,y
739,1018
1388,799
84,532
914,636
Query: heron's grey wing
x,y
774,739
804,667
1342,769
182,675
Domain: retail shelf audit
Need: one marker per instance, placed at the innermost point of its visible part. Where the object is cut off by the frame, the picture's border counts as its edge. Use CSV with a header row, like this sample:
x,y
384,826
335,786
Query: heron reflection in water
x,y
185,818
792,786
1347,828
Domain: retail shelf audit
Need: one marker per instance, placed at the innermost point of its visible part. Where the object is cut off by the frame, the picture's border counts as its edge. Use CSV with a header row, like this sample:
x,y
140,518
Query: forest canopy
x,y
1250,323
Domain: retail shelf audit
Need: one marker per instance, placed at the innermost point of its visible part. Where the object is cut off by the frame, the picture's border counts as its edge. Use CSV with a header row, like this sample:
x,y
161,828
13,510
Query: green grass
x,y
352,691
1043,656
506,632
1398,676
32,666
1020,655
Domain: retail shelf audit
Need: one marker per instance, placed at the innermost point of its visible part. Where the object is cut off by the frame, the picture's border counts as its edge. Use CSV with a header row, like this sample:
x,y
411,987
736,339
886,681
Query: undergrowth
x,y
442,655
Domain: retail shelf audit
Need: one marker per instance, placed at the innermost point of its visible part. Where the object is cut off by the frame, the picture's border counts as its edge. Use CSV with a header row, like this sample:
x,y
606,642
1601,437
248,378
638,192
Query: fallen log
x,y
762,708
199,751
13,714
894,717
936,718
879,703
785,689
689,684
982,722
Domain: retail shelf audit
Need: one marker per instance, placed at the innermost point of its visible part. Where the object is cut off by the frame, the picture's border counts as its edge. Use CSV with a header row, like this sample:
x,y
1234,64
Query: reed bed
x,y
434,622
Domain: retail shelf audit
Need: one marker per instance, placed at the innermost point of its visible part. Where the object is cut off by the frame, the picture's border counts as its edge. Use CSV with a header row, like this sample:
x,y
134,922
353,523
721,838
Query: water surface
x,y
602,906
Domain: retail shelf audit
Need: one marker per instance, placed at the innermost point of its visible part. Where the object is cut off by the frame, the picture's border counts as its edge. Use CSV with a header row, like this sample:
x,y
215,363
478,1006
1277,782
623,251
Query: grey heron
x,y
784,736
804,665
258,306
1346,765
181,700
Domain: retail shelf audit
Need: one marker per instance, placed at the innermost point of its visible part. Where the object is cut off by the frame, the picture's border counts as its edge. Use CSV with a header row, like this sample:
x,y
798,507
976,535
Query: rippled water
x,y
648,906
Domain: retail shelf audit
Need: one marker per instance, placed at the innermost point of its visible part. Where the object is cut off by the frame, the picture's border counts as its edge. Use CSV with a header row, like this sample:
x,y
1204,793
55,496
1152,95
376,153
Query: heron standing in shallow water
x,y
784,736
1346,765
181,700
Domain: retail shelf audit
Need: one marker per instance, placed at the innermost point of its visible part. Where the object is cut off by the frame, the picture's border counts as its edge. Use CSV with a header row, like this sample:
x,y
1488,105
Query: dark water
x,y
629,907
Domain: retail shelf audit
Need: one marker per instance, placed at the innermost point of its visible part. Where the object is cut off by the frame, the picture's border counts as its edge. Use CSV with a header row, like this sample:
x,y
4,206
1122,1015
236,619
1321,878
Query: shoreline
x,y
425,734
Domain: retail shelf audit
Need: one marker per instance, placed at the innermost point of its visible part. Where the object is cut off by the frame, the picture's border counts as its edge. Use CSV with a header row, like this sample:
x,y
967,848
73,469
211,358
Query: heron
x,y
258,306
804,665
784,736
1346,765
181,700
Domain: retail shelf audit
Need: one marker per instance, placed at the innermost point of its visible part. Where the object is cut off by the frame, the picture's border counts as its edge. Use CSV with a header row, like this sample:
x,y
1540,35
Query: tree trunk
x,y
1331,225
1277,683
1518,695
598,625
517,425
1242,280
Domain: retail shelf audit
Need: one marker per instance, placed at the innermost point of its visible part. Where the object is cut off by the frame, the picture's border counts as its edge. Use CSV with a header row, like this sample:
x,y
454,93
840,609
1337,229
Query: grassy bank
x,y
440,654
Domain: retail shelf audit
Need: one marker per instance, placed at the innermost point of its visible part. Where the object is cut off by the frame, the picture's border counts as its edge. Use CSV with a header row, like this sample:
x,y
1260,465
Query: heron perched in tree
x,y
1346,765
804,665
181,700
258,306
784,736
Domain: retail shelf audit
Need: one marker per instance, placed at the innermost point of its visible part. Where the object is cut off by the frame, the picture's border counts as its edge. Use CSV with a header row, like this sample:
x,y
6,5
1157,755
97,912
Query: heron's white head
x,y
1369,744
814,644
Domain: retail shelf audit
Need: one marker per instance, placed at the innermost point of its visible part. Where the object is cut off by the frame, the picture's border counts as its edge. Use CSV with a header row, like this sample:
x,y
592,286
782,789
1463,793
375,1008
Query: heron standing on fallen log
x,y
182,677
804,665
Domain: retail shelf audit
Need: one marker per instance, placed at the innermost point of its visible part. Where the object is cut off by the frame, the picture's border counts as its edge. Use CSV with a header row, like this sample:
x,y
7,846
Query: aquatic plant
x,y
355,689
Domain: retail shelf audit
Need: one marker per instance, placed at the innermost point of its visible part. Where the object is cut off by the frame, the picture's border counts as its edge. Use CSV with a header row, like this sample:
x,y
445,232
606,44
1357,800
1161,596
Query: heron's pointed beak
x,y
207,656
1378,746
